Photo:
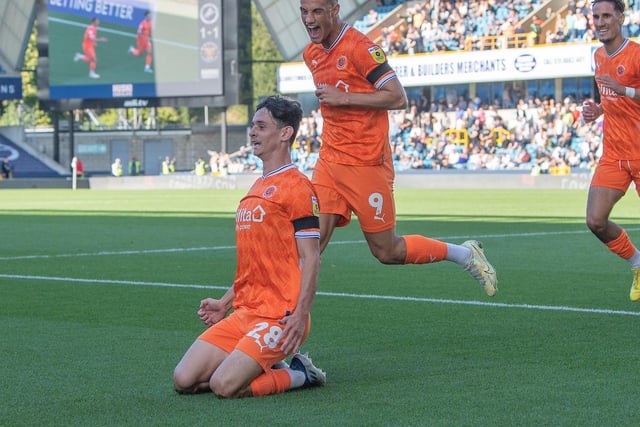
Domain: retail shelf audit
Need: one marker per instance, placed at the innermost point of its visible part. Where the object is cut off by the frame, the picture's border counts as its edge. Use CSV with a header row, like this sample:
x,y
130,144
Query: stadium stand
x,y
25,163
430,26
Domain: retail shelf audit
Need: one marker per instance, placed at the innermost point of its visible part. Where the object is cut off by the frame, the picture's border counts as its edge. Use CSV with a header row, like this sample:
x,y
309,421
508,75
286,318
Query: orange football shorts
x,y
366,191
258,337
617,174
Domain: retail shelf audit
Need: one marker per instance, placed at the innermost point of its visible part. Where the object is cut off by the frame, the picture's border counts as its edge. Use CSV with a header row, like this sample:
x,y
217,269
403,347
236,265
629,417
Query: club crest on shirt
x,y
342,62
620,70
269,191
315,206
377,54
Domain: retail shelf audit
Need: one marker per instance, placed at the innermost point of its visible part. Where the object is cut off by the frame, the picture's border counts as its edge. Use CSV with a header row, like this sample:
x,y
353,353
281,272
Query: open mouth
x,y
314,32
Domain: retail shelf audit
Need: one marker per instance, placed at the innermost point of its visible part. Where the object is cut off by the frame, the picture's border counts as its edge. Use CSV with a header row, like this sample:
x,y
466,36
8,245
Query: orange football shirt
x,y
278,209
351,135
621,114
90,35
144,33
143,39
144,29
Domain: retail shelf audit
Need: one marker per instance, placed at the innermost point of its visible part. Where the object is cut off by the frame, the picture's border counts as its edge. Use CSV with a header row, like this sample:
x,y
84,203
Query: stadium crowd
x,y
434,26
538,136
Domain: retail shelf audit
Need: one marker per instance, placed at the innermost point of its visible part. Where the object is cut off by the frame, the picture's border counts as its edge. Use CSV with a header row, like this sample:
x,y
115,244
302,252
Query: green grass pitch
x,y
99,291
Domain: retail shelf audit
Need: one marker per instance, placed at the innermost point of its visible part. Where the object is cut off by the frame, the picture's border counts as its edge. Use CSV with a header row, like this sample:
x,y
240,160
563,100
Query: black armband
x,y
306,223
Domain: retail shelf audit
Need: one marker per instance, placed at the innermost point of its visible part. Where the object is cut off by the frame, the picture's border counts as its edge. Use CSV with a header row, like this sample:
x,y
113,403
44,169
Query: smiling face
x,y
320,18
607,22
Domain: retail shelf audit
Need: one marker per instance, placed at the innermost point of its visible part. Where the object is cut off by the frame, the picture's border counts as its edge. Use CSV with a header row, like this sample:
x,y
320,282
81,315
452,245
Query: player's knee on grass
x,y
183,383
222,388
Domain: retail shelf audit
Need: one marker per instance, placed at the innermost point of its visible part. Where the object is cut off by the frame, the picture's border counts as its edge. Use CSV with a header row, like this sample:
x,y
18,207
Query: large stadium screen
x,y
109,49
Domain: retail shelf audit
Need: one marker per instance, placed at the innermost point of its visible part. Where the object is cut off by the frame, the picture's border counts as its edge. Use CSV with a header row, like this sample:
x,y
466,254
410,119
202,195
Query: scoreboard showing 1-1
x,y
210,22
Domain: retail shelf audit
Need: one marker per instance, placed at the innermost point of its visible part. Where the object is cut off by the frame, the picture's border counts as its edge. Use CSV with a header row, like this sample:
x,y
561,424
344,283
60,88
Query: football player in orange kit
x,y
356,87
617,76
143,41
278,262
89,42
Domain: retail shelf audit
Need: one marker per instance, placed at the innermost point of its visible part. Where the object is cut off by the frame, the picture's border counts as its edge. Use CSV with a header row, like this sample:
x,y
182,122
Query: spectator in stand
x,y
7,168
135,167
200,167
589,36
581,25
168,165
414,40
570,21
76,164
116,167
372,18
536,29
522,157
634,23
560,35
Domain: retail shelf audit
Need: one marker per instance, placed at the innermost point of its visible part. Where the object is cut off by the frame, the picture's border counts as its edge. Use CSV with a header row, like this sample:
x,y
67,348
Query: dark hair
x,y
285,111
618,5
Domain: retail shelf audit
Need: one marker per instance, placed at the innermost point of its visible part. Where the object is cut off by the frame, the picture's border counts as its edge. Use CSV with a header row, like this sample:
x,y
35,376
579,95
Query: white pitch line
x,y
339,295
343,242
108,253
486,304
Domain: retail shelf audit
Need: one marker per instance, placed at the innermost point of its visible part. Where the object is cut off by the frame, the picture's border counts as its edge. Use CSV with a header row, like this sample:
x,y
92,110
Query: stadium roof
x,y
282,18
16,22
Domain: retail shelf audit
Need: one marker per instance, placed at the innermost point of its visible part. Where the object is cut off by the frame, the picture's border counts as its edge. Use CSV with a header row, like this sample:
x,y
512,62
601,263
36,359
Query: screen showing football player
x,y
143,42
89,42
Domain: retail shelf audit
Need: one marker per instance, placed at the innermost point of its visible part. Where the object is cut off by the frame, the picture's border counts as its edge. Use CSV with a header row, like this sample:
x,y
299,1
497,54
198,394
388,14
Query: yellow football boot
x,y
481,270
634,294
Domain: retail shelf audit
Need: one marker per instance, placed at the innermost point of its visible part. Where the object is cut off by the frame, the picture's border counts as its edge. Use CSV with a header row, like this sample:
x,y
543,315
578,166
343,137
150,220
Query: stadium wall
x,y
418,180
97,150
422,180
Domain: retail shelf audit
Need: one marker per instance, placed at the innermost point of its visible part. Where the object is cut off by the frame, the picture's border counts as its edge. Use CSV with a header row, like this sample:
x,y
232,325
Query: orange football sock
x,y
422,250
622,246
270,382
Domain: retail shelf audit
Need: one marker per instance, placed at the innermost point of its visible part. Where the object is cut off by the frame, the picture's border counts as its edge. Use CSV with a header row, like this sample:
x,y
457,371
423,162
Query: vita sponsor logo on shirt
x,y
607,92
245,217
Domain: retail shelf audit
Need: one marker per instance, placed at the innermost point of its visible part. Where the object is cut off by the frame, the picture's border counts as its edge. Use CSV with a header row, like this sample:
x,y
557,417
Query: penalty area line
x,y
338,295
